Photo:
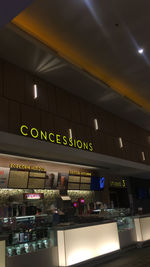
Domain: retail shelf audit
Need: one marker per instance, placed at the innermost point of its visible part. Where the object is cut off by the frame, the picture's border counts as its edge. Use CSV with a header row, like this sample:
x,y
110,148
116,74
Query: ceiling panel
x,y
32,56
99,36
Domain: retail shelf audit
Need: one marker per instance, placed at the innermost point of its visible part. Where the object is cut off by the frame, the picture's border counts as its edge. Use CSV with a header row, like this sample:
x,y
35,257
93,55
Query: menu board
x,y
79,180
4,175
22,176
37,174
85,186
74,179
36,179
36,183
73,186
86,180
18,179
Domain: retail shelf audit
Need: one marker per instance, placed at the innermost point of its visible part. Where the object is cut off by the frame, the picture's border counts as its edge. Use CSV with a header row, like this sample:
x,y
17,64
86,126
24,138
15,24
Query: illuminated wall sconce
x,y
35,91
143,156
120,142
70,133
96,124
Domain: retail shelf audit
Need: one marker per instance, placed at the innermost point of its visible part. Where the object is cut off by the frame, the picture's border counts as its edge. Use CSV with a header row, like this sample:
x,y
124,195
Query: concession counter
x,y
83,242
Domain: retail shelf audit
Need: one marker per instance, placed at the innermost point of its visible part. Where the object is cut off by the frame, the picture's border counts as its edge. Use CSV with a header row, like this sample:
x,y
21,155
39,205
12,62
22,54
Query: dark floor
x,y
134,258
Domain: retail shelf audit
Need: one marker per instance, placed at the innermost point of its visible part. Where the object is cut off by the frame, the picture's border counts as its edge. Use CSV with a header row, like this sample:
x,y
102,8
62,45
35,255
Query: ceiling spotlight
x,y
140,51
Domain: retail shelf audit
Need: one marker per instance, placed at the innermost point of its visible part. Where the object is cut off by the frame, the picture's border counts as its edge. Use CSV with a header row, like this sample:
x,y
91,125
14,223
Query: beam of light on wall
x,y
120,142
35,91
70,133
96,124
143,156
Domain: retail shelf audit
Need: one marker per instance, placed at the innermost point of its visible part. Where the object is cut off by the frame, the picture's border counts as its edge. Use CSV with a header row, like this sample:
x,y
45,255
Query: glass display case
x,y
125,223
29,247
29,234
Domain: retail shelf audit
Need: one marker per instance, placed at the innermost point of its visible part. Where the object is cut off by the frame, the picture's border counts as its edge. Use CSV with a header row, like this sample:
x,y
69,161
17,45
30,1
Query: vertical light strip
x,y
96,124
70,133
143,156
35,91
120,142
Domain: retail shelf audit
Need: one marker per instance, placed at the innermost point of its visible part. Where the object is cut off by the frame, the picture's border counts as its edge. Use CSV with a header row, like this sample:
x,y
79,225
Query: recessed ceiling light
x,y
140,51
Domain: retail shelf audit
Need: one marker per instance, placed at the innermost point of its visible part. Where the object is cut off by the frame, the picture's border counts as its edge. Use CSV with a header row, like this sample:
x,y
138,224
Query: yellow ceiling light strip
x,y
53,40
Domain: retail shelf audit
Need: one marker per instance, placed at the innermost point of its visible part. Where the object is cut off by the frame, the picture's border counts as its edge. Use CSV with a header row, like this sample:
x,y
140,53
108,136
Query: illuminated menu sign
x,y
79,180
118,182
18,179
35,196
25,176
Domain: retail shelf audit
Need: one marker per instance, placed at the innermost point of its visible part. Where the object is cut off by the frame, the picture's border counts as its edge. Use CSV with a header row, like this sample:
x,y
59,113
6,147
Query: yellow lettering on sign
x,y
85,145
85,173
70,142
90,147
75,172
58,141
44,135
55,138
26,167
65,140
21,129
123,183
75,143
32,133
50,139
79,144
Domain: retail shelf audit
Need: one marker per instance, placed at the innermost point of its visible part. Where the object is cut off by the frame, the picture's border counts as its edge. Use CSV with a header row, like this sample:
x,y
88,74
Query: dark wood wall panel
x,y
63,104
51,99
77,130
106,122
14,115
14,83
87,113
47,121
1,77
75,109
61,126
30,116
3,114
56,110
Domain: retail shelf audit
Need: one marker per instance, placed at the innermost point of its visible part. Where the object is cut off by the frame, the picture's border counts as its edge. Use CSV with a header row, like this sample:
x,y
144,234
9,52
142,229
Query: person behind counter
x,y
54,214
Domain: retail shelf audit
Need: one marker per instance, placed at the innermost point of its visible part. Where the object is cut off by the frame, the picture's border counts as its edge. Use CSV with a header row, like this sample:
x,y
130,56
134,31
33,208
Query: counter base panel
x,y
127,238
44,257
2,253
142,228
81,244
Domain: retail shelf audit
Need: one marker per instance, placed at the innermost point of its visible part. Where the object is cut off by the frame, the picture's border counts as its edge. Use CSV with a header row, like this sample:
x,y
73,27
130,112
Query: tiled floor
x,y
133,258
